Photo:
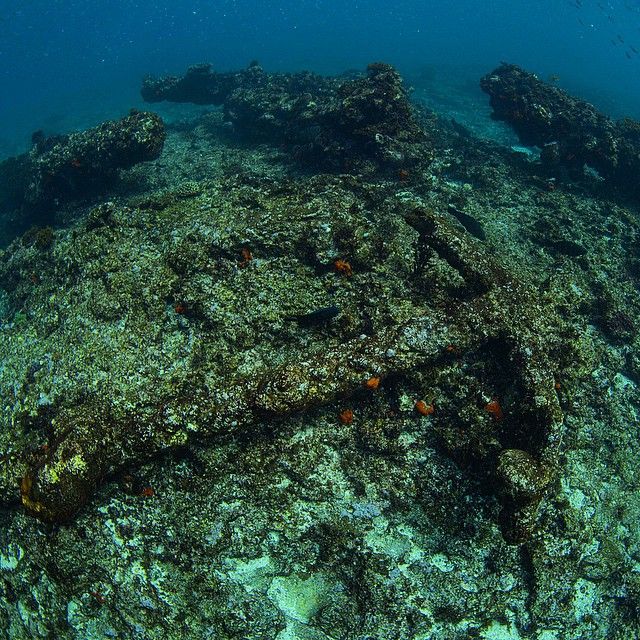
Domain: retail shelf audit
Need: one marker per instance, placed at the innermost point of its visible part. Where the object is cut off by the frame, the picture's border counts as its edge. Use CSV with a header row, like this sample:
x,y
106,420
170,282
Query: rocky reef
x,y
361,124
572,133
67,167
261,401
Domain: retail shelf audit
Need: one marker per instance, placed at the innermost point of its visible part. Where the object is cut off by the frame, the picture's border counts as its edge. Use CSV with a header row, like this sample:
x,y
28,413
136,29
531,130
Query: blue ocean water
x,y
68,64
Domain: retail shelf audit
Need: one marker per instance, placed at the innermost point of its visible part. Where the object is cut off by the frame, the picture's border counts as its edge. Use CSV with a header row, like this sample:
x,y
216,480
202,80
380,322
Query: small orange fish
x,y
346,416
343,267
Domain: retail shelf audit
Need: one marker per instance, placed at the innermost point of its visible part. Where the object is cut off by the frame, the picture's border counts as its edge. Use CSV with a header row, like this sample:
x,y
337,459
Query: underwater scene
x,y
319,320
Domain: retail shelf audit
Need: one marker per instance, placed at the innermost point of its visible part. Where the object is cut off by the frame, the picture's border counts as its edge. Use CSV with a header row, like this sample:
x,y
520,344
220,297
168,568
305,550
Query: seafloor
x,y
195,276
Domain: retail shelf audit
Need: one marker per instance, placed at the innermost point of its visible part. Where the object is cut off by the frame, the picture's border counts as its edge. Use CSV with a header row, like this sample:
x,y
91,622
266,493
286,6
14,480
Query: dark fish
x,y
317,317
468,222
626,53
620,38
566,247
460,129
633,49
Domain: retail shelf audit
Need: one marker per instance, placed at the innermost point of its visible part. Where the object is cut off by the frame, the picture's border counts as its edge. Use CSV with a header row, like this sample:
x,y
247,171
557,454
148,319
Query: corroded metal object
x,y
491,317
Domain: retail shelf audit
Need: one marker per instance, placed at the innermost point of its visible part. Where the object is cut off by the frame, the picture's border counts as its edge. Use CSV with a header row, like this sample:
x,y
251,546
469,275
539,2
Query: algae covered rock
x,y
366,123
83,161
63,168
571,132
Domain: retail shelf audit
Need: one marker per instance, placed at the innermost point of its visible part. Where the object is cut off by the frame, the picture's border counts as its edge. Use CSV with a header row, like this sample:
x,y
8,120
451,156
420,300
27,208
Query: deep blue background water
x,y
70,63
